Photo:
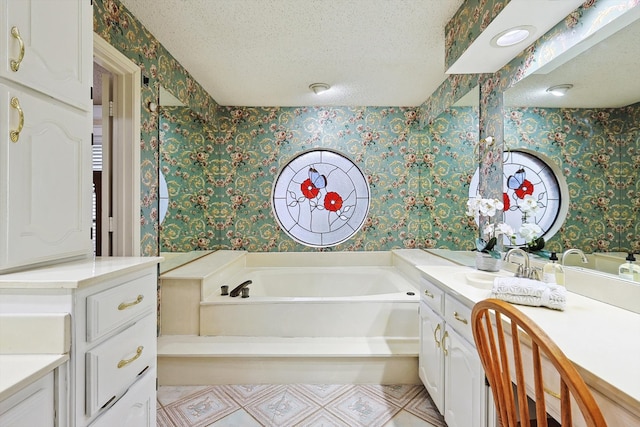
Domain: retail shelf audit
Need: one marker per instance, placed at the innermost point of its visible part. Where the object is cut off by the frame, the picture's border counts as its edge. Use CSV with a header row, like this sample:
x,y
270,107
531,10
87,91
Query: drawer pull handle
x,y
435,335
427,293
552,393
125,362
14,135
15,63
125,305
444,348
459,318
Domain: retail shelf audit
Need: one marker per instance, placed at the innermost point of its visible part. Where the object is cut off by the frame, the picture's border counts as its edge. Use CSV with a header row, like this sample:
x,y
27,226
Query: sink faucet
x,y
523,269
574,251
236,291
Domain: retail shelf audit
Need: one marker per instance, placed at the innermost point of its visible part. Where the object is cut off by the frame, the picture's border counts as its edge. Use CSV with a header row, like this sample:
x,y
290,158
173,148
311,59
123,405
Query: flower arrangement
x,y
488,208
530,232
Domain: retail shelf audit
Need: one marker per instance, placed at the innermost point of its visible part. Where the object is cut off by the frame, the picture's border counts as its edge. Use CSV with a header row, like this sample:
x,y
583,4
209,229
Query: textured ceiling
x,y
268,52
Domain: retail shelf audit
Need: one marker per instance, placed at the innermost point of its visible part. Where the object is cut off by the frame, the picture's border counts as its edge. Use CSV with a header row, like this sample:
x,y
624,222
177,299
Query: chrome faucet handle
x,y
521,271
534,273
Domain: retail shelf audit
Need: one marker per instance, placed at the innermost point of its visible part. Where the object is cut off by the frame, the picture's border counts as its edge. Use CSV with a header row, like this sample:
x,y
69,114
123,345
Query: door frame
x,y
125,160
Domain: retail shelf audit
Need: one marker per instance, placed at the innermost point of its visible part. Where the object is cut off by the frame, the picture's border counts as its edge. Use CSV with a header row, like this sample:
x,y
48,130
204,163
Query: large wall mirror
x,y
185,193
592,133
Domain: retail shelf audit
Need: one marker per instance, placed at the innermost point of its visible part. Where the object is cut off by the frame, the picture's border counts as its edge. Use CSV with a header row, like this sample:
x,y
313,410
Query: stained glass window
x,y
320,198
531,194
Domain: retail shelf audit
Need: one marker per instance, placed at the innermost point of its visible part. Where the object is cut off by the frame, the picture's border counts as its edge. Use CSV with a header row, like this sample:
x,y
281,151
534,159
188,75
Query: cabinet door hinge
x,y
111,225
110,108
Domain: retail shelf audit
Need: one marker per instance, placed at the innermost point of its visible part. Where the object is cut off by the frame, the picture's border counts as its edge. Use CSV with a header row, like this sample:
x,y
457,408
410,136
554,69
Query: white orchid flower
x,y
530,231
529,205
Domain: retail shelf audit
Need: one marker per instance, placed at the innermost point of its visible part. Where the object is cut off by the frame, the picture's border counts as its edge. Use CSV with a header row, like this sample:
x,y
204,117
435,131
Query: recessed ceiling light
x,y
513,36
559,90
318,88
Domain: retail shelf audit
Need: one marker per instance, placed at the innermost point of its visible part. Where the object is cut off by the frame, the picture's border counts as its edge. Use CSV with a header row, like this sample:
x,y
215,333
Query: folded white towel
x,y
523,291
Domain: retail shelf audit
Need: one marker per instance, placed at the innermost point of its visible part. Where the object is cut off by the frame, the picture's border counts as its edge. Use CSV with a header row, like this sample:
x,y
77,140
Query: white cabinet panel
x,y
137,408
45,196
31,406
114,364
56,36
431,357
465,391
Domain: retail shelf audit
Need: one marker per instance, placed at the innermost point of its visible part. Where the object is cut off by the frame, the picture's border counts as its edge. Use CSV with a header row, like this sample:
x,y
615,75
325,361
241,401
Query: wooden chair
x,y
502,355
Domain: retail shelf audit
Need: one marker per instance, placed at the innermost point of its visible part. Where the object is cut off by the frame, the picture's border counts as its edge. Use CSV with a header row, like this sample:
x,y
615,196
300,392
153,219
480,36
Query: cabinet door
x,y
57,47
431,359
45,187
465,390
137,408
31,406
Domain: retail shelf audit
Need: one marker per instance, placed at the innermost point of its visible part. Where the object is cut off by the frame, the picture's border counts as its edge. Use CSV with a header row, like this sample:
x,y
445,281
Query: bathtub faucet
x,y
236,291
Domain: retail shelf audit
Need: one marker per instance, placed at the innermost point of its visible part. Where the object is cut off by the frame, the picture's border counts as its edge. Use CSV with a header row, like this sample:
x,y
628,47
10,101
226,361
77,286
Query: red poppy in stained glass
x,y
506,202
526,188
332,201
309,190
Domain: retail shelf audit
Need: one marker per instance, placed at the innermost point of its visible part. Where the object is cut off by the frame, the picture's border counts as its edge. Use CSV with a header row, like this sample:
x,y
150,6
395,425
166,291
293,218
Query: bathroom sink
x,y
482,279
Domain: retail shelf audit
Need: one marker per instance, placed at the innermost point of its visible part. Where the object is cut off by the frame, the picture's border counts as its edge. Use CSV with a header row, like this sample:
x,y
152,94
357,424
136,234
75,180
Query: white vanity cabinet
x,y
113,306
34,405
45,123
449,365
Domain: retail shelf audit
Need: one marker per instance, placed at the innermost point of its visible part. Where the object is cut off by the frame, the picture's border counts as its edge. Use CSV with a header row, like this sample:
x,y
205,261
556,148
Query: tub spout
x,y
574,251
236,291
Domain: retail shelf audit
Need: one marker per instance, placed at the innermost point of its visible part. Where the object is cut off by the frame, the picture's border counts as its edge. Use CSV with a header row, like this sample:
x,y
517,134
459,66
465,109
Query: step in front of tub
x,y
195,360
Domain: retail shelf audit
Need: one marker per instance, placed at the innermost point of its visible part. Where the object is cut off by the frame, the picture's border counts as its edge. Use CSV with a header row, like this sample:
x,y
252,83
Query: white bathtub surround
x,y
362,327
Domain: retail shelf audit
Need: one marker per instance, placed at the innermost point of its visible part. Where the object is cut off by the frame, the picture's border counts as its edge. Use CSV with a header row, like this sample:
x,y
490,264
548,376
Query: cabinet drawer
x,y
136,408
116,363
115,307
432,295
458,316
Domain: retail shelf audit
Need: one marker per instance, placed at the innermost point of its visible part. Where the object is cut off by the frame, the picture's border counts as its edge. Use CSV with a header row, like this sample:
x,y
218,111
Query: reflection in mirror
x,y
593,134
185,184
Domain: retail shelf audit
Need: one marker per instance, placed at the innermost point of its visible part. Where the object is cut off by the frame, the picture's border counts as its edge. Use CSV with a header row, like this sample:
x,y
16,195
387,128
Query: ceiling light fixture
x,y
513,36
559,90
318,88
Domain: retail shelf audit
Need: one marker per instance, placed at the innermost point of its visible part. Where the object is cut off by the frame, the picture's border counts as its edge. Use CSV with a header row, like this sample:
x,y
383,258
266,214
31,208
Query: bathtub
x,y
312,301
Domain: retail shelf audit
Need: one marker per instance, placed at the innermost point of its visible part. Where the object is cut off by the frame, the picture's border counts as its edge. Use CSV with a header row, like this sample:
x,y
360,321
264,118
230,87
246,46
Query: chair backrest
x,y
506,361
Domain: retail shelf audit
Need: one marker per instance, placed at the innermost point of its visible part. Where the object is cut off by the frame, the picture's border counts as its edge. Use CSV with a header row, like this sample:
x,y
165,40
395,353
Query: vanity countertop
x,y
19,370
600,339
75,274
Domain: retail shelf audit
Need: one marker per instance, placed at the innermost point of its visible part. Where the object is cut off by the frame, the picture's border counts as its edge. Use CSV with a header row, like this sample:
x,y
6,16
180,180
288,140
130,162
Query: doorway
x,y
121,164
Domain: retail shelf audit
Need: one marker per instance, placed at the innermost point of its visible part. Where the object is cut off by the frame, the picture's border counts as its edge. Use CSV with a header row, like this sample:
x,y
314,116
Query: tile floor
x,y
296,405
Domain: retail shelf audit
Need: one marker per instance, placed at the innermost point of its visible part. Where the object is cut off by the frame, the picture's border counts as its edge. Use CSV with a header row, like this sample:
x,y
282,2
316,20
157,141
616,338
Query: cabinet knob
x,y
15,63
14,135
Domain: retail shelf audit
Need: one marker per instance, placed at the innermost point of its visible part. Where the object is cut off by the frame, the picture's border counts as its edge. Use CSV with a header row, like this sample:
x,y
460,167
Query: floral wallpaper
x,y
600,156
220,162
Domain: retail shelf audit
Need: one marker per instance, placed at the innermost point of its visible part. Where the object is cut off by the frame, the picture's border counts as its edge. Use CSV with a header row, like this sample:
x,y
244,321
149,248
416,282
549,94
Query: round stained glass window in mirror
x,y
532,194
320,198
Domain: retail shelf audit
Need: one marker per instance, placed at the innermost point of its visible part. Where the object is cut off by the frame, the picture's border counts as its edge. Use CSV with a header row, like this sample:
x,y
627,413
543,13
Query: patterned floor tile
x,y
247,393
423,407
361,407
162,419
201,408
169,394
240,418
406,419
322,418
321,393
282,408
400,394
